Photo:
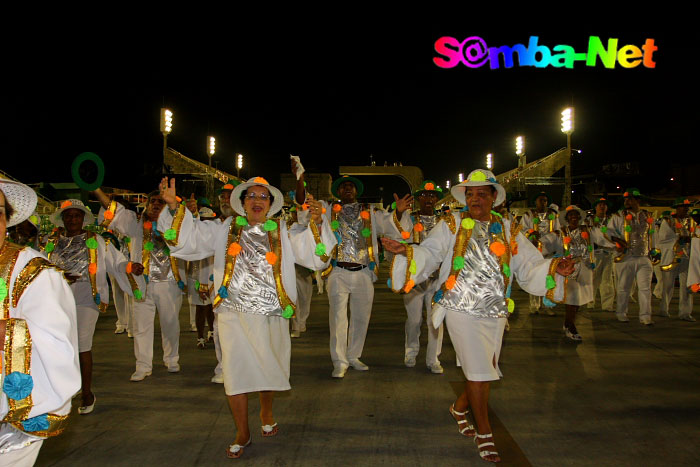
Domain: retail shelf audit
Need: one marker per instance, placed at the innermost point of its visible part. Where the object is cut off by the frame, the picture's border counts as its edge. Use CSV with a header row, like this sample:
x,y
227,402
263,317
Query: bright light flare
x,y
519,146
567,120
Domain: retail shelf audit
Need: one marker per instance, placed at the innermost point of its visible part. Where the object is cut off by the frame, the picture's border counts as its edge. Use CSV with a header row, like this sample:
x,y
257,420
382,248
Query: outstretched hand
x,y
403,203
191,204
393,246
167,192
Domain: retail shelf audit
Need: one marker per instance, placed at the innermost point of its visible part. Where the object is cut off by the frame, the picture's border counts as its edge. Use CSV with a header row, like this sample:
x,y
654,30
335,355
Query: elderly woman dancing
x,y
254,280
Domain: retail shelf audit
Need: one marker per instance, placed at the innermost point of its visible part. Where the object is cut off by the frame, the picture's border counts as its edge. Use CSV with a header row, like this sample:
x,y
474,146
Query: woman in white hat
x,y
87,260
38,326
255,289
480,252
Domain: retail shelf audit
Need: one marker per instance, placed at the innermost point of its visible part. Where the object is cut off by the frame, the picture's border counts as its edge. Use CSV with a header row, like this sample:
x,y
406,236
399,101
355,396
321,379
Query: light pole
x,y
520,151
239,164
460,177
212,147
166,126
489,161
567,126
447,184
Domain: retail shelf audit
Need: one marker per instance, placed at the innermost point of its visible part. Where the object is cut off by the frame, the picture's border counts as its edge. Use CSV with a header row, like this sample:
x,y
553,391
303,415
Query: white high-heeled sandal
x,y
467,426
485,453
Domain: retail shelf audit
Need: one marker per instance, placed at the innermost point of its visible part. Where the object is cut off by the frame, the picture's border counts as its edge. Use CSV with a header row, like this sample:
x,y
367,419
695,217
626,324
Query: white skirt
x,y
255,352
477,343
579,290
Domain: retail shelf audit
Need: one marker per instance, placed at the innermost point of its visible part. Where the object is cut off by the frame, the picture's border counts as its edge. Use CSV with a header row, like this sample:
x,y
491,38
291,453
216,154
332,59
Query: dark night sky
x,y
335,97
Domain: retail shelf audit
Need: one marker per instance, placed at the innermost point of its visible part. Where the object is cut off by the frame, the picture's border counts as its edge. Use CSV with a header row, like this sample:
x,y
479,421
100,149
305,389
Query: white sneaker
x,y
358,365
436,368
339,372
120,330
410,362
193,327
174,368
688,318
295,334
218,379
140,375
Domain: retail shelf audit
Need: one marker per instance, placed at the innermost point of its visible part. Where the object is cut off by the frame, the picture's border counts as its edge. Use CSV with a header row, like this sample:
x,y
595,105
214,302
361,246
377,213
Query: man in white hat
x,y
160,287
87,260
41,373
478,253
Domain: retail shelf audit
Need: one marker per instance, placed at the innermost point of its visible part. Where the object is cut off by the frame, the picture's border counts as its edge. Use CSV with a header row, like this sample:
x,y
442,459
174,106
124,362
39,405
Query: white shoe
x,y
295,334
218,379
174,368
210,336
688,318
358,365
646,322
86,409
131,336
410,362
572,333
436,368
119,330
339,372
193,327
140,375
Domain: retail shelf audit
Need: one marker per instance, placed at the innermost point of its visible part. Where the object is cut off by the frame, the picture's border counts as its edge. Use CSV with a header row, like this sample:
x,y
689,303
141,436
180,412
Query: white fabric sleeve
x,y
196,239
531,270
304,245
694,267
124,221
116,262
666,236
428,256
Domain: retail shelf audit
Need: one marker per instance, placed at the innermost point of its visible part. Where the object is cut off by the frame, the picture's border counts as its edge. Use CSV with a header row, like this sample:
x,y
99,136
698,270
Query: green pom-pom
x,y
292,209
551,217
288,312
458,263
506,270
511,305
551,283
335,225
49,247
536,220
137,294
196,285
651,231
393,206
170,234
127,240
366,232
636,193
603,229
304,184
270,225
320,249
468,223
148,246
413,268
596,219
91,243
3,289
628,228
590,247
166,250
242,221
496,214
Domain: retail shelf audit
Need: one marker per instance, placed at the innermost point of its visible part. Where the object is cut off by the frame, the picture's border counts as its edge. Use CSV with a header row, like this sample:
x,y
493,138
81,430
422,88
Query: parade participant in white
x,y
38,330
254,263
674,242
603,278
480,253
419,225
355,266
158,288
693,282
87,260
630,230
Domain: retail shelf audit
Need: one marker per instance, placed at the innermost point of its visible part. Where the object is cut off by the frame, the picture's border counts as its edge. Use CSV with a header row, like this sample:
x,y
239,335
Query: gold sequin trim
x,y
177,224
8,257
18,354
317,238
276,247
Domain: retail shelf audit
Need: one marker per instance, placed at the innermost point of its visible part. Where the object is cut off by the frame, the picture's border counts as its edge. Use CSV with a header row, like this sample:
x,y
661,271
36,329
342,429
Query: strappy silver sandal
x,y
485,453
462,425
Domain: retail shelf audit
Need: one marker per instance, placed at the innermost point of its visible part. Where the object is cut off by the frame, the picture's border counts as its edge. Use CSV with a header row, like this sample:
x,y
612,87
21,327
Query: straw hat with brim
x,y
479,177
57,218
564,212
237,205
682,201
430,187
533,199
347,178
206,213
21,198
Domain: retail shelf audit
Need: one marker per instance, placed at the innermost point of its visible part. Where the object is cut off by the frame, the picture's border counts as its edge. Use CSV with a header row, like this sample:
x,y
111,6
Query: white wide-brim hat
x,y
479,177
256,181
22,199
57,219
564,212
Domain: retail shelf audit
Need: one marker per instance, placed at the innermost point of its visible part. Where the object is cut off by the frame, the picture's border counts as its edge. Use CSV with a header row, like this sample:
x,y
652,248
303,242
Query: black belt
x,y
352,268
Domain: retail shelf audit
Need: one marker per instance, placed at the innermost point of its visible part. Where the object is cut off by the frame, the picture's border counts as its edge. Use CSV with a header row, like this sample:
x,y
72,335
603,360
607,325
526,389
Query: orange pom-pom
x,y
323,210
409,285
271,257
450,282
618,246
584,235
405,235
628,217
625,194
514,247
497,248
109,215
178,199
679,225
304,206
228,186
129,267
364,215
695,288
337,207
65,204
650,220
147,225
233,249
418,227
429,187
92,269
260,180
567,240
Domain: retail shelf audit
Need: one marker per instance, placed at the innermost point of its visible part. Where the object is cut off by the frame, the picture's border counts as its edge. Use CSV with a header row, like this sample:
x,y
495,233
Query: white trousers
x,y
685,304
305,288
121,304
166,297
603,281
25,457
535,302
418,298
353,290
626,271
191,299
217,346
